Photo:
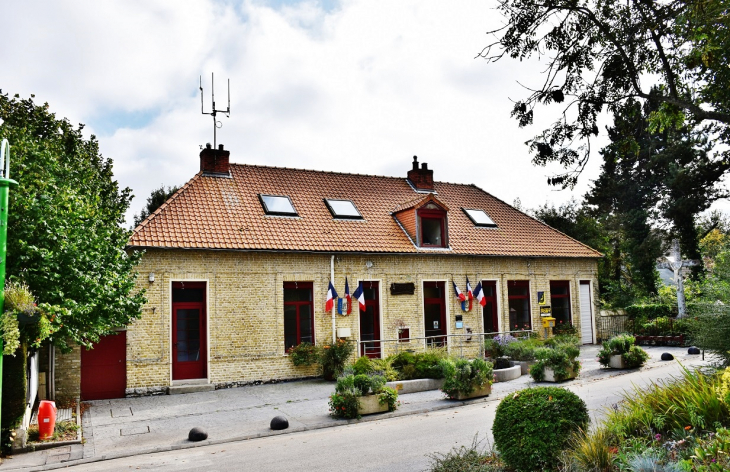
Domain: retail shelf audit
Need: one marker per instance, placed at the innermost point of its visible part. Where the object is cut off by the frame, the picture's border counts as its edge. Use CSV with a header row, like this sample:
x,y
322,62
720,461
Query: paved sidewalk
x,y
126,427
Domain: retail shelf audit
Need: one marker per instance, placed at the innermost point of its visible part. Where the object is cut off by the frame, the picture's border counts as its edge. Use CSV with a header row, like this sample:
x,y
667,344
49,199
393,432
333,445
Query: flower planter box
x,y
510,373
616,362
550,375
415,385
525,366
479,392
368,404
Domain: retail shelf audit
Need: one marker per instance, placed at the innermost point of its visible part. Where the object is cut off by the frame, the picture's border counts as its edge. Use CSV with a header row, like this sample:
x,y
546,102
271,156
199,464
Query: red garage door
x,y
104,368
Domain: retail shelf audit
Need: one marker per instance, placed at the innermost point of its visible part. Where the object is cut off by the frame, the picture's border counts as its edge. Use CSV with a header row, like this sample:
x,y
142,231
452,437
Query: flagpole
x,y
332,278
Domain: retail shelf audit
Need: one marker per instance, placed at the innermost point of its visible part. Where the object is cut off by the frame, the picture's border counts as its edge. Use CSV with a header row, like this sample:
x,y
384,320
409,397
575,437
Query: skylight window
x,y
342,209
277,205
479,218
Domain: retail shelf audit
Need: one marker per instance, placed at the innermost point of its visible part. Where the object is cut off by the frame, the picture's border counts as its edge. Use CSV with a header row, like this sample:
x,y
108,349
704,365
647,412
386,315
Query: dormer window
x,y
479,218
432,225
343,209
279,205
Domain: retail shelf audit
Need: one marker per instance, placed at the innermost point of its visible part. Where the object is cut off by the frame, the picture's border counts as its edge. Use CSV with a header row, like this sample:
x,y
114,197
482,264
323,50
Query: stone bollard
x,y
197,434
279,422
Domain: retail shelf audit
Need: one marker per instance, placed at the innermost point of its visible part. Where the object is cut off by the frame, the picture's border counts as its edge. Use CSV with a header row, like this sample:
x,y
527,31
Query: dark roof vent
x,y
421,179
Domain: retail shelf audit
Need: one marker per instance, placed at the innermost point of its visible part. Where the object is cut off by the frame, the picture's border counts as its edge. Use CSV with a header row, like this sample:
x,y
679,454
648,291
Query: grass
x,y
474,458
63,431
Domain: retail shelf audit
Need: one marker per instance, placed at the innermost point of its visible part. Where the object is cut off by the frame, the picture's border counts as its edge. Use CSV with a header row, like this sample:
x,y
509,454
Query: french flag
x,y
469,292
460,295
348,297
479,294
331,295
359,296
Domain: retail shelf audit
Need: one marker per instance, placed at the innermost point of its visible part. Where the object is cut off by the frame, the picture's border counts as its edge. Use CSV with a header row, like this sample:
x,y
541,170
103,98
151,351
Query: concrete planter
x,y
510,373
415,385
479,392
617,362
550,375
368,404
525,366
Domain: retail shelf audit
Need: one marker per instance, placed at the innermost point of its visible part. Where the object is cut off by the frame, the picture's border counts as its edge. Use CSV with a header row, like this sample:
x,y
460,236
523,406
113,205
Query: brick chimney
x,y
214,161
421,178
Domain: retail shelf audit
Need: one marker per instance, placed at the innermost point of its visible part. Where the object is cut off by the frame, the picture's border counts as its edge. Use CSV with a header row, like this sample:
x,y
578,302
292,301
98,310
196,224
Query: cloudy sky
x,y
350,86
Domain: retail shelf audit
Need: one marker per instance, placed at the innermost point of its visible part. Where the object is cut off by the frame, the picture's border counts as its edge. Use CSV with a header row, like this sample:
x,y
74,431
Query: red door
x,y
189,346
370,321
104,368
489,312
434,313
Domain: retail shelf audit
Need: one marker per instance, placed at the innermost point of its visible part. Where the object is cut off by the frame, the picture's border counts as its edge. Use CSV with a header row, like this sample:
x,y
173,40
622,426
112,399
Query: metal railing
x,y
463,345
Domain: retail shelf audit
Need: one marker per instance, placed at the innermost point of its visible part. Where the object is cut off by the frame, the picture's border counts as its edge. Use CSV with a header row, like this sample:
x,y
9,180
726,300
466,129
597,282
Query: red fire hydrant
x,y
46,419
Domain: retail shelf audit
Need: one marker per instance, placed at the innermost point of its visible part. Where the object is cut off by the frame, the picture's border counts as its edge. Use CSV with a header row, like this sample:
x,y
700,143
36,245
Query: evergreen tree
x,y
155,201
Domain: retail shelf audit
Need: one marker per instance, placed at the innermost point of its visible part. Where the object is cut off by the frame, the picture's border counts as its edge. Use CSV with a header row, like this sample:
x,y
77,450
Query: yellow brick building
x,y
238,262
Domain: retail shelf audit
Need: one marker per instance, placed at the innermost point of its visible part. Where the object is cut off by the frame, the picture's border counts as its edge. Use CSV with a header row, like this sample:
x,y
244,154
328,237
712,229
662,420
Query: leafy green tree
x,y
65,234
155,201
599,54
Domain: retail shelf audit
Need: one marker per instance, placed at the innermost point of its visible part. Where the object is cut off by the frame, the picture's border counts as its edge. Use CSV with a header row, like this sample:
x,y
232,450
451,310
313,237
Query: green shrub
x,y
563,340
636,357
385,368
565,328
388,396
462,377
344,404
424,365
474,458
623,345
362,383
532,427
333,357
561,359
523,350
304,354
649,311
363,365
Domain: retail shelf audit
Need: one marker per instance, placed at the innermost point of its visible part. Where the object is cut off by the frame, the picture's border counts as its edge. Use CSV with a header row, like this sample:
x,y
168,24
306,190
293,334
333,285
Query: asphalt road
x,y
396,444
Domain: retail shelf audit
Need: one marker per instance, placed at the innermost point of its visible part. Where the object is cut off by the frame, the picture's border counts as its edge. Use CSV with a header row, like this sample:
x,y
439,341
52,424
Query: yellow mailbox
x,y
548,322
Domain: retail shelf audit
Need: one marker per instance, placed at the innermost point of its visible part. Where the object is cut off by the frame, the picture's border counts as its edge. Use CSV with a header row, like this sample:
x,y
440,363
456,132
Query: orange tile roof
x,y
225,213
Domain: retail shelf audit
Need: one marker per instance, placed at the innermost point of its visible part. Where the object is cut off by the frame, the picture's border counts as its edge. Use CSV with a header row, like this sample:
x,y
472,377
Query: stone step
x,y
190,388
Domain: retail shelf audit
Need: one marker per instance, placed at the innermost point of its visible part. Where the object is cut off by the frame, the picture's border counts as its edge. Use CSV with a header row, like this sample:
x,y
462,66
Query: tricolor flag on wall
x,y
347,300
459,295
469,292
331,295
359,296
479,294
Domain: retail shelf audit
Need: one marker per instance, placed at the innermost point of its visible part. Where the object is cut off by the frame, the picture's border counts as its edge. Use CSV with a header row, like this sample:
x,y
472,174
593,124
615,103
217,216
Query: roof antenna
x,y
213,112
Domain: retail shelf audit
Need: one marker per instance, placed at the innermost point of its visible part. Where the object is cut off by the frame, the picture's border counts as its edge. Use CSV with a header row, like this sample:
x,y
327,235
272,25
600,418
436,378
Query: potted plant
x,y
621,352
495,347
523,352
362,394
555,364
466,379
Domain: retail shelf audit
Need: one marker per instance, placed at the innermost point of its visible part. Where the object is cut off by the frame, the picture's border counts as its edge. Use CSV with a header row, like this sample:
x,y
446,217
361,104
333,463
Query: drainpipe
x,y
332,278
5,184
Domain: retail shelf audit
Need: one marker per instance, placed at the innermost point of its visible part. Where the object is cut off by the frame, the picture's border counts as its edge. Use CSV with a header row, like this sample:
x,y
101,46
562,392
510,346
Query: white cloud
x,y
361,87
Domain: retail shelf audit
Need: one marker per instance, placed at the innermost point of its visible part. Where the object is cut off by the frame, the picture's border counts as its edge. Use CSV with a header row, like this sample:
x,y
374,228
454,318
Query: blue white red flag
x,y
479,294
347,300
469,292
359,296
459,295
331,295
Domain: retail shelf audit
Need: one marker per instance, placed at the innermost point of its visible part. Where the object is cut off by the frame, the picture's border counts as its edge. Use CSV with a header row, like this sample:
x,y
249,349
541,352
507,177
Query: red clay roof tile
x,y
225,213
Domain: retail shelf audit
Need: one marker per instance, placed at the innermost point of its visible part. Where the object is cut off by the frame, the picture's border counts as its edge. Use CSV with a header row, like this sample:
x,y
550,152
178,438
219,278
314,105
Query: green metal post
x,y
5,183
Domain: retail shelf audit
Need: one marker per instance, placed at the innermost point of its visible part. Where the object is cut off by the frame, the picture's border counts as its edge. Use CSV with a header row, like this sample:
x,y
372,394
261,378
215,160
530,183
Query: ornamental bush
x,y
561,358
523,349
462,377
532,427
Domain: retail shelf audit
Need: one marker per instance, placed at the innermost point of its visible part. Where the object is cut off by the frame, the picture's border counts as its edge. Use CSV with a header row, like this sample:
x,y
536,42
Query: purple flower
x,y
658,437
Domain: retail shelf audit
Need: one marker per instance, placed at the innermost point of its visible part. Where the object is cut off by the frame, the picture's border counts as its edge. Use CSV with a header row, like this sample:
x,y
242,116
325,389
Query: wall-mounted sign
x,y
435,325
541,298
459,324
407,288
545,310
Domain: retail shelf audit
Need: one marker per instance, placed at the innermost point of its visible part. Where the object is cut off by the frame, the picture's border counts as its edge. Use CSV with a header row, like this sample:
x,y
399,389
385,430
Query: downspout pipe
x,y
332,278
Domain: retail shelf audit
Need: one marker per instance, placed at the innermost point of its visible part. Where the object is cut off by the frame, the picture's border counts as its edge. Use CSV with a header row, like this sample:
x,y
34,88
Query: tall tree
x,y
603,53
65,234
155,201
